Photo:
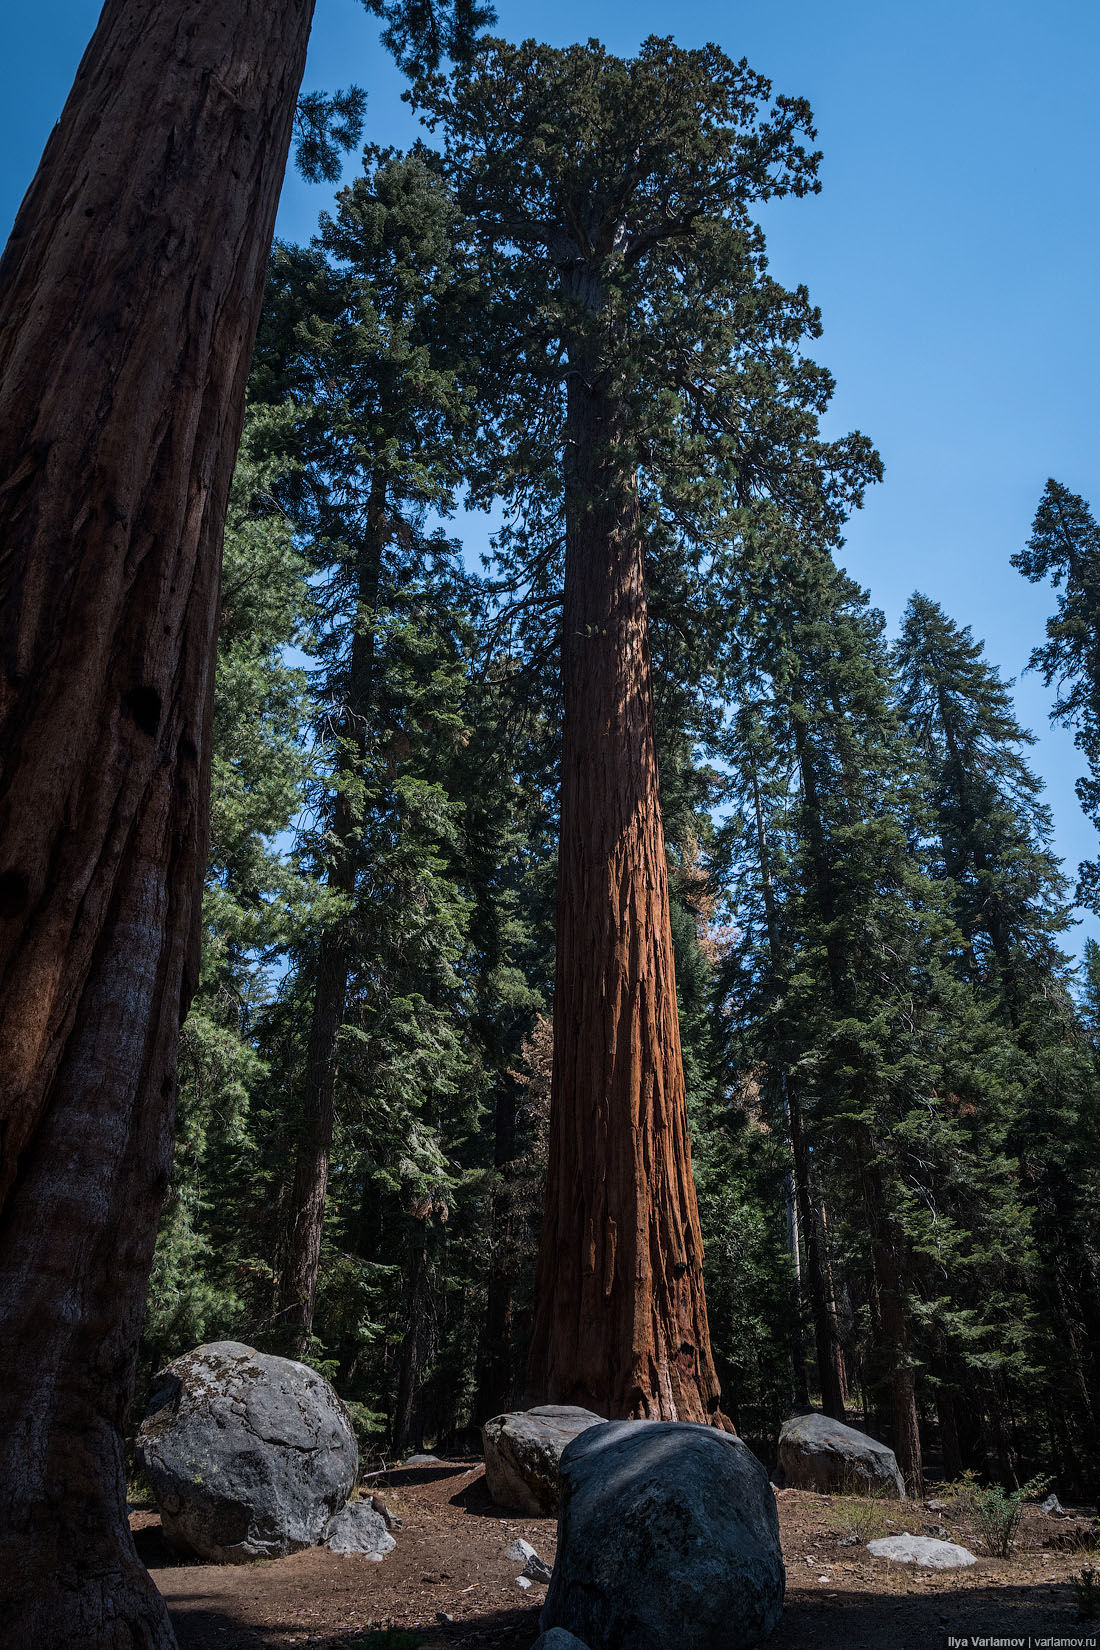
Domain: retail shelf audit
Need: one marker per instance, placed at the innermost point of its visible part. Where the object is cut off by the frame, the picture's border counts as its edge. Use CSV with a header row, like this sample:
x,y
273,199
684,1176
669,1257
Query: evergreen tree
x,y
1064,547
647,370
854,1012
354,339
211,1278
1007,892
1005,883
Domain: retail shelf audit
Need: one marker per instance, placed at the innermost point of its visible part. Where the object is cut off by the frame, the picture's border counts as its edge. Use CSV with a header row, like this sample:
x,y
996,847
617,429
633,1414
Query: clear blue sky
x,y
953,252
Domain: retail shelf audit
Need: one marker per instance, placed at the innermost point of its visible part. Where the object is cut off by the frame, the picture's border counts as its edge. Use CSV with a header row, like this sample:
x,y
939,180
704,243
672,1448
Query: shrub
x,y
1086,1593
994,1513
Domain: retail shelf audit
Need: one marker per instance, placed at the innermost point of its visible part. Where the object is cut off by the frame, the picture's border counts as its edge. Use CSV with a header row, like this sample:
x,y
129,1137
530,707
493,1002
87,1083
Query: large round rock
x,y
816,1453
249,1455
522,1451
667,1535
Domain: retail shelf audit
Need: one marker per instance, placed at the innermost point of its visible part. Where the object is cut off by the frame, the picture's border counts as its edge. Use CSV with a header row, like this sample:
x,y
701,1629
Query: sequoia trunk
x,y
131,288
620,1317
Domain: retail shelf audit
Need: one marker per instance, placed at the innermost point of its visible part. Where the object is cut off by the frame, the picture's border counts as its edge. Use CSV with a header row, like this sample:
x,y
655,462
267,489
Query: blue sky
x,y
953,252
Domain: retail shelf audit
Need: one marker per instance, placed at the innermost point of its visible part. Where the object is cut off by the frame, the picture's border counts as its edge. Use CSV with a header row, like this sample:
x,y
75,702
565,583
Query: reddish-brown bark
x,y
621,1319
131,288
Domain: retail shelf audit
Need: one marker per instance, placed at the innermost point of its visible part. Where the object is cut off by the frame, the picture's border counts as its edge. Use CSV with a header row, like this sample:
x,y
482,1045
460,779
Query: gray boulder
x,y
668,1534
558,1639
249,1455
816,1453
921,1549
357,1528
522,1451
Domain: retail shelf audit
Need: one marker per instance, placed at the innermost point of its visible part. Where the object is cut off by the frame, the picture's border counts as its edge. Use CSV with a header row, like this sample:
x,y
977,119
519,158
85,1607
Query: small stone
x,y
920,1549
442,1617
358,1529
523,1583
422,1461
520,1551
1052,1505
537,1569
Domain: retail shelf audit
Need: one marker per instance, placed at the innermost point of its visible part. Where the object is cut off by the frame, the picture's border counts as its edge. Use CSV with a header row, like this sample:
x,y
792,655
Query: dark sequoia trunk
x,y
131,289
620,1316
305,1225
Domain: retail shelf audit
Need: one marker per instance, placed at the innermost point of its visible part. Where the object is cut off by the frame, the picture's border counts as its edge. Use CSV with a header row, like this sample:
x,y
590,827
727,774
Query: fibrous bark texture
x,y
129,292
621,1320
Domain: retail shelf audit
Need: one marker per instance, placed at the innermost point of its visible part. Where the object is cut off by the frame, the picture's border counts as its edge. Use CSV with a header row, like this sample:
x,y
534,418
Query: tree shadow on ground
x,y
909,1621
202,1627
475,1498
844,1621
409,1477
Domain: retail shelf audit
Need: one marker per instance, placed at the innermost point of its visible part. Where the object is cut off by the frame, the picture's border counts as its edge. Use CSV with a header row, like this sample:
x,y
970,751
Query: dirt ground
x,y
449,1583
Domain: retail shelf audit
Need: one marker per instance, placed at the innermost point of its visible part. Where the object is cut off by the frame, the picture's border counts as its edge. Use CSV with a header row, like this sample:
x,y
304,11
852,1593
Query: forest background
x,y
951,265
951,251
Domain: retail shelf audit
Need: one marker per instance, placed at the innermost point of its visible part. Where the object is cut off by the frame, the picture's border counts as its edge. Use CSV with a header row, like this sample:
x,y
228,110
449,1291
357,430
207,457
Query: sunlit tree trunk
x,y
130,292
620,1318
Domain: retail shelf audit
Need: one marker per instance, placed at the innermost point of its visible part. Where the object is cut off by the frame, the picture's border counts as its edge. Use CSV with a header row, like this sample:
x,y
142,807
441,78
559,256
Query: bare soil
x,y
449,1583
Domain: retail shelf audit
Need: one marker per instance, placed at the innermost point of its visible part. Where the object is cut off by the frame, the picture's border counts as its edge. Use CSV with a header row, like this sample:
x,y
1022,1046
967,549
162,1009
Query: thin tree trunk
x,y
131,289
829,1358
620,1318
950,1448
495,1374
306,1218
830,1366
800,1390
408,1424
887,1258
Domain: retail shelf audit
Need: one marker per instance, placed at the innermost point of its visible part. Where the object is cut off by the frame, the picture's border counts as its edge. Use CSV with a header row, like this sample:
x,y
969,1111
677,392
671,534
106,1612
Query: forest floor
x,y
449,1585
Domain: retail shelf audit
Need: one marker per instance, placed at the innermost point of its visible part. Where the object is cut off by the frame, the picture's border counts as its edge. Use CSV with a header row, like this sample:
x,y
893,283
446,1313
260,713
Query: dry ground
x,y
449,1583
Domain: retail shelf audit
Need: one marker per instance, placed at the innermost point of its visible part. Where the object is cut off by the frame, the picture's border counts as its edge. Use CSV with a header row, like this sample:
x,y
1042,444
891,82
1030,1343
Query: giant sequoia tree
x,y
131,288
649,374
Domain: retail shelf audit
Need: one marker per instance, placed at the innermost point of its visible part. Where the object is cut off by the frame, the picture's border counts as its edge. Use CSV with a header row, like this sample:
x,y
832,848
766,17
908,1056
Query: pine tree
x,y
1007,893
211,1279
645,368
354,336
894,1062
1005,882
1065,548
